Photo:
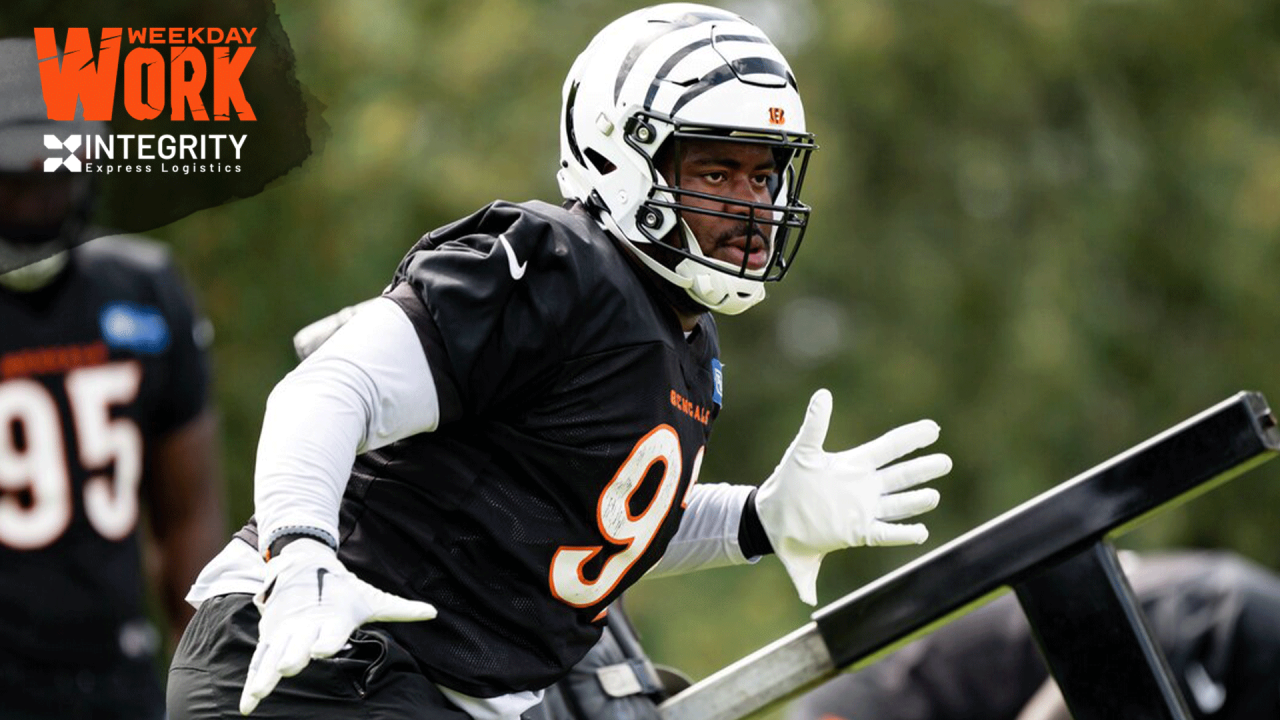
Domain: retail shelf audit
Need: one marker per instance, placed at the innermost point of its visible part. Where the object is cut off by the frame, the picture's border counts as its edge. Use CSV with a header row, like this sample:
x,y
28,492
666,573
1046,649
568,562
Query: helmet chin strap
x,y
723,293
718,291
36,275
36,264
710,289
37,254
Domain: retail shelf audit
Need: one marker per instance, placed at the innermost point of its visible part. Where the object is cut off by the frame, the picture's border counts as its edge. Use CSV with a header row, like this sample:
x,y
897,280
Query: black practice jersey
x,y
574,413
91,368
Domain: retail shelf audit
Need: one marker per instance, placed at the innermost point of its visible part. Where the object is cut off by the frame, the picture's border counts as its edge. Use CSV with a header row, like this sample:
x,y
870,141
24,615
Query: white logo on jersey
x,y
517,269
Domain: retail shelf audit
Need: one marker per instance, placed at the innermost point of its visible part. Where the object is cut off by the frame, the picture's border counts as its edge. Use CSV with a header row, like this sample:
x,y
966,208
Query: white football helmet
x,y
42,211
669,74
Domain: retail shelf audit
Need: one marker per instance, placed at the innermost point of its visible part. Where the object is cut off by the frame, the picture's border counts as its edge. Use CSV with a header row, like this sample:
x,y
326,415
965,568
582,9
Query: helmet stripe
x,y
684,52
687,20
570,135
734,71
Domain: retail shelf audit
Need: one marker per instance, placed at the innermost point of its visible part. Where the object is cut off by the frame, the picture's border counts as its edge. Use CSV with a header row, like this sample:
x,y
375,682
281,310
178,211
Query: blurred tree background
x,y
1051,226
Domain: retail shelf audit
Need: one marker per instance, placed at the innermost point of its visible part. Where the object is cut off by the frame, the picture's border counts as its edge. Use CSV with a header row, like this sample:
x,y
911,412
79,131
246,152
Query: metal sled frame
x,y
1055,552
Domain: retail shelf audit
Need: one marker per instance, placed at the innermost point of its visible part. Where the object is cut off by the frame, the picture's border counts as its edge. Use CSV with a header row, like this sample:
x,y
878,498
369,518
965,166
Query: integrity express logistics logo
x,y
152,84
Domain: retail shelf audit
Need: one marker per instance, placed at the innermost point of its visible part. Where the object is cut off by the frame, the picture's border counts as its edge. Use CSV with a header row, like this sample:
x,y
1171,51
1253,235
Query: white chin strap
x,y
36,275
720,292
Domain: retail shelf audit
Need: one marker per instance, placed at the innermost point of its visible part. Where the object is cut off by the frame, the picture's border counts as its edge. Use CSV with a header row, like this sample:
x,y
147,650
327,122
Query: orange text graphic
x,y
51,360
688,407
79,75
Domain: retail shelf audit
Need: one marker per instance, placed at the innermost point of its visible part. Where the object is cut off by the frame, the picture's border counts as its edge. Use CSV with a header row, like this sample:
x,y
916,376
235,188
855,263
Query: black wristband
x,y
285,535
752,538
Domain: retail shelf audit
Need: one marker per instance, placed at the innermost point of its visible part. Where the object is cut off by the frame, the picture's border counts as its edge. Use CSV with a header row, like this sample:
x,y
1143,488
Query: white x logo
x,y
71,144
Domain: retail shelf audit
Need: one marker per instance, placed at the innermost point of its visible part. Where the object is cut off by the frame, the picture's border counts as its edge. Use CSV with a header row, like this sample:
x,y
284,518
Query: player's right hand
x,y
310,604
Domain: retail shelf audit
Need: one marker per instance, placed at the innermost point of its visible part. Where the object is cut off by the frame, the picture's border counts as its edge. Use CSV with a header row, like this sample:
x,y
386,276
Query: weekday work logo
x,y
178,107
167,74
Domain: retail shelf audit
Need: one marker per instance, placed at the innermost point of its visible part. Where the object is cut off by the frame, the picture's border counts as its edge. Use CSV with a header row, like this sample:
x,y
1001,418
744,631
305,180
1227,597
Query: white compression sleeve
x,y
367,386
708,534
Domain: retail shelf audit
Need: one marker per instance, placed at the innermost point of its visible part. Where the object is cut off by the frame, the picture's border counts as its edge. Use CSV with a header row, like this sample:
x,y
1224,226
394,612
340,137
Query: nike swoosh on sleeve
x,y
517,269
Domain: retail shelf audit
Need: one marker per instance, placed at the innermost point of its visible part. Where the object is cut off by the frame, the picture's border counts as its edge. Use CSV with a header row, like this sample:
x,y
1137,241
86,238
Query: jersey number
x,y
33,459
569,583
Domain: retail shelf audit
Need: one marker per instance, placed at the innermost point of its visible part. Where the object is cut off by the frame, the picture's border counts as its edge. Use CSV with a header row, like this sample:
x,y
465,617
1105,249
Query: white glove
x,y
310,604
816,501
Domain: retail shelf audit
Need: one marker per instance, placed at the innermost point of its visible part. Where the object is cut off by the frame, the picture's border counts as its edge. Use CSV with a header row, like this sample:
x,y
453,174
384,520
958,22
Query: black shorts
x,y
372,678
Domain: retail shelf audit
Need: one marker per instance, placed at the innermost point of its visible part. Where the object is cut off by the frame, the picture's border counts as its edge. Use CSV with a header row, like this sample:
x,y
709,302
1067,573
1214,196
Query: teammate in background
x,y
527,407
1216,616
105,427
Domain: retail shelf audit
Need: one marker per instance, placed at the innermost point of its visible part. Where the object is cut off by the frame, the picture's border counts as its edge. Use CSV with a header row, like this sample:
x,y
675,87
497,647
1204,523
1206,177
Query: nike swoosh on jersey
x,y
517,269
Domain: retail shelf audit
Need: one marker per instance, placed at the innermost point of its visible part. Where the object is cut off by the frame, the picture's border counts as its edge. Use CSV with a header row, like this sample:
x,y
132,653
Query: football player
x,y
527,406
105,426
1216,616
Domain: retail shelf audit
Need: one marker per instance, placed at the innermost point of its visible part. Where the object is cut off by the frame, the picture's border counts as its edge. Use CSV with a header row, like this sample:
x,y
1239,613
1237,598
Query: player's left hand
x,y
310,605
816,501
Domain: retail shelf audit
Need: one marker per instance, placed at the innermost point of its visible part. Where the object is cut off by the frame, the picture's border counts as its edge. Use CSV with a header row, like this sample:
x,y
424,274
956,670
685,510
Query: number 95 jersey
x,y
91,367
574,413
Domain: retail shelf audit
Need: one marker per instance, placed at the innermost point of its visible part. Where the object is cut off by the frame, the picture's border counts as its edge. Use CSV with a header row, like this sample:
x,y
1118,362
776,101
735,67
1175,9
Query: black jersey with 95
x,y
574,414
91,368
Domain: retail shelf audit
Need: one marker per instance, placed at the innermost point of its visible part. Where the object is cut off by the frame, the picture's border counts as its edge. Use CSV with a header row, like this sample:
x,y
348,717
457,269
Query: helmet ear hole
x,y
774,185
664,161
782,158
599,162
